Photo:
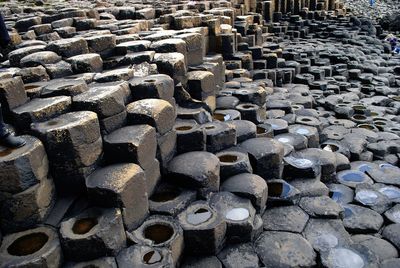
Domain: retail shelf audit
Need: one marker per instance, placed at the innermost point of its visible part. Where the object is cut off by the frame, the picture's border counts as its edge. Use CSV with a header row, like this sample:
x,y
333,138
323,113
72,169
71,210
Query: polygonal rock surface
x,y
195,170
285,218
359,219
23,167
123,186
324,234
282,249
35,247
321,207
155,112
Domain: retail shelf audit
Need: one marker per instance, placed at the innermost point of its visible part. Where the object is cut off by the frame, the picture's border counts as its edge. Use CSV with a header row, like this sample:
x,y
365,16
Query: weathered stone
x,y
144,256
321,207
155,112
39,110
285,218
136,144
27,208
69,47
122,186
92,234
17,250
84,63
149,234
23,167
283,249
12,93
203,228
197,170
266,157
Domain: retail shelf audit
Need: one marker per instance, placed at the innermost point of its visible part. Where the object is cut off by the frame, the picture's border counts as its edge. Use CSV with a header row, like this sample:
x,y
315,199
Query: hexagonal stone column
x,y
158,86
16,55
40,58
101,43
201,86
69,47
160,232
172,64
239,215
170,45
155,112
194,47
86,63
203,228
135,144
189,137
64,87
106,100
12,94
28,208
92,234
23,167
40,109
219,136
266,157
36,247
249,186
122,186
74,145
196,170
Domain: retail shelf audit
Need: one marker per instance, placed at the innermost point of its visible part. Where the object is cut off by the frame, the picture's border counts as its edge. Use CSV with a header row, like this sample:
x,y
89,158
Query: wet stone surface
x,y
237,133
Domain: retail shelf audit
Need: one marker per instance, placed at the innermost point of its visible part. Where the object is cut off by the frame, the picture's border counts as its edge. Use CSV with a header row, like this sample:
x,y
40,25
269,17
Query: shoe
x,y
12,141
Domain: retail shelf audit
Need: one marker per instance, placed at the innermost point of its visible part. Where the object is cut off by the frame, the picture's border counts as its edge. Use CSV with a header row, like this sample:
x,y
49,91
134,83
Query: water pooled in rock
x,y
302,162
346,258
227,158
367,197
6,152
302,131
152,257
278,189
165,196
390,192
219,117
184,128
237,214
199,216
28,244
284,140
353,177
158,233
83,226
364,168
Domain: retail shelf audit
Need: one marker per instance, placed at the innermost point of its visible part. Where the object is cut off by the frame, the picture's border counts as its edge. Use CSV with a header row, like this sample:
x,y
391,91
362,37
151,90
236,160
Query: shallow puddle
x,y
152,257
367,197
237,214
28,244
353,177
158,233
199,216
